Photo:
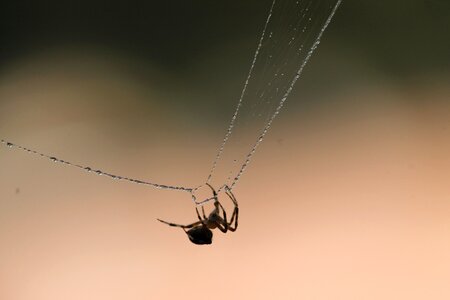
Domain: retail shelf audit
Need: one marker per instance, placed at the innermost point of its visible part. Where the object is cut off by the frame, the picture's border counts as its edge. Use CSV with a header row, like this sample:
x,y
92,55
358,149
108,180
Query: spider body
x,y
200,232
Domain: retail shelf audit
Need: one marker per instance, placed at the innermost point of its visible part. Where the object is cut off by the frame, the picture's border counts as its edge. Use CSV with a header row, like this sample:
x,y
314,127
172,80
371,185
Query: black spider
x,y
200,232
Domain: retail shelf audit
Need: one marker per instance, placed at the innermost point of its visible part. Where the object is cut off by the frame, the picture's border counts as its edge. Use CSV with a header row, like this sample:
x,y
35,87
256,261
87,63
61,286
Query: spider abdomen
x,y
201,235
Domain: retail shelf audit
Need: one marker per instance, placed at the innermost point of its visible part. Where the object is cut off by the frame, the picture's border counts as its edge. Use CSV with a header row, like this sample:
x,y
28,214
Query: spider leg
x,y
181,226
231,195
213,190
221,221
200,218
222,227
235,215
203,211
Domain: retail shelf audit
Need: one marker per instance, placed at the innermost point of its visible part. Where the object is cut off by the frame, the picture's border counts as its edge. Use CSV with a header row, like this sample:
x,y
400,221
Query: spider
x,y
200,232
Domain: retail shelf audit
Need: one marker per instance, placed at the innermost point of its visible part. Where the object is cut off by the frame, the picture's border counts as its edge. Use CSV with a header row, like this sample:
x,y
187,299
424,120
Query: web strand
x,y
244,89
95,171
285,96
291,34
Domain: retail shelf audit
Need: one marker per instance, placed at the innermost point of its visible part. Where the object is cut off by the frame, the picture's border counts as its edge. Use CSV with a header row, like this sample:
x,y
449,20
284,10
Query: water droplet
x,y
99,172
88,169
53,159
10,145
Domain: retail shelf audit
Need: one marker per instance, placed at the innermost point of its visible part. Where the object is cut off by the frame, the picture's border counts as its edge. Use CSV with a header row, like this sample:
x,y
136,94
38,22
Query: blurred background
x,y
347,198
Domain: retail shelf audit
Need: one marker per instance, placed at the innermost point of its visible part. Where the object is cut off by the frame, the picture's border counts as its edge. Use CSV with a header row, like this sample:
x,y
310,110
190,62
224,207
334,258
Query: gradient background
x,y
347,198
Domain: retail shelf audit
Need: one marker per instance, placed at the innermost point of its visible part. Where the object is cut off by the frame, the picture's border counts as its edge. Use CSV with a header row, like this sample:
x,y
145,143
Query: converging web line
x,y
97,172
282,97
244,89
285,96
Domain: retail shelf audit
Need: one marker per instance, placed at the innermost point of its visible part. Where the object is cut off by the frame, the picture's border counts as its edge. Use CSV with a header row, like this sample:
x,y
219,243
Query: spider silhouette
x,y
200,232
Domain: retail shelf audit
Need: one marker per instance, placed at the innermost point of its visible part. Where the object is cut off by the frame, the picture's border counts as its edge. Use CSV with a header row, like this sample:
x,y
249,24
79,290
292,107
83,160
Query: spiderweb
x,y
290,35
292,32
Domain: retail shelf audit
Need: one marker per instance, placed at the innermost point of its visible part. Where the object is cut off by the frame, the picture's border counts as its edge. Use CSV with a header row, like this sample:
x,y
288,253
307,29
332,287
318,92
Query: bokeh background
x,y
347,198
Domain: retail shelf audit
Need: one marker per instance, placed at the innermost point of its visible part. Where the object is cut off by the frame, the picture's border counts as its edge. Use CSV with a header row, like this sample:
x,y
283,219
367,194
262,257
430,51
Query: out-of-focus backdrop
x,y
347,198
